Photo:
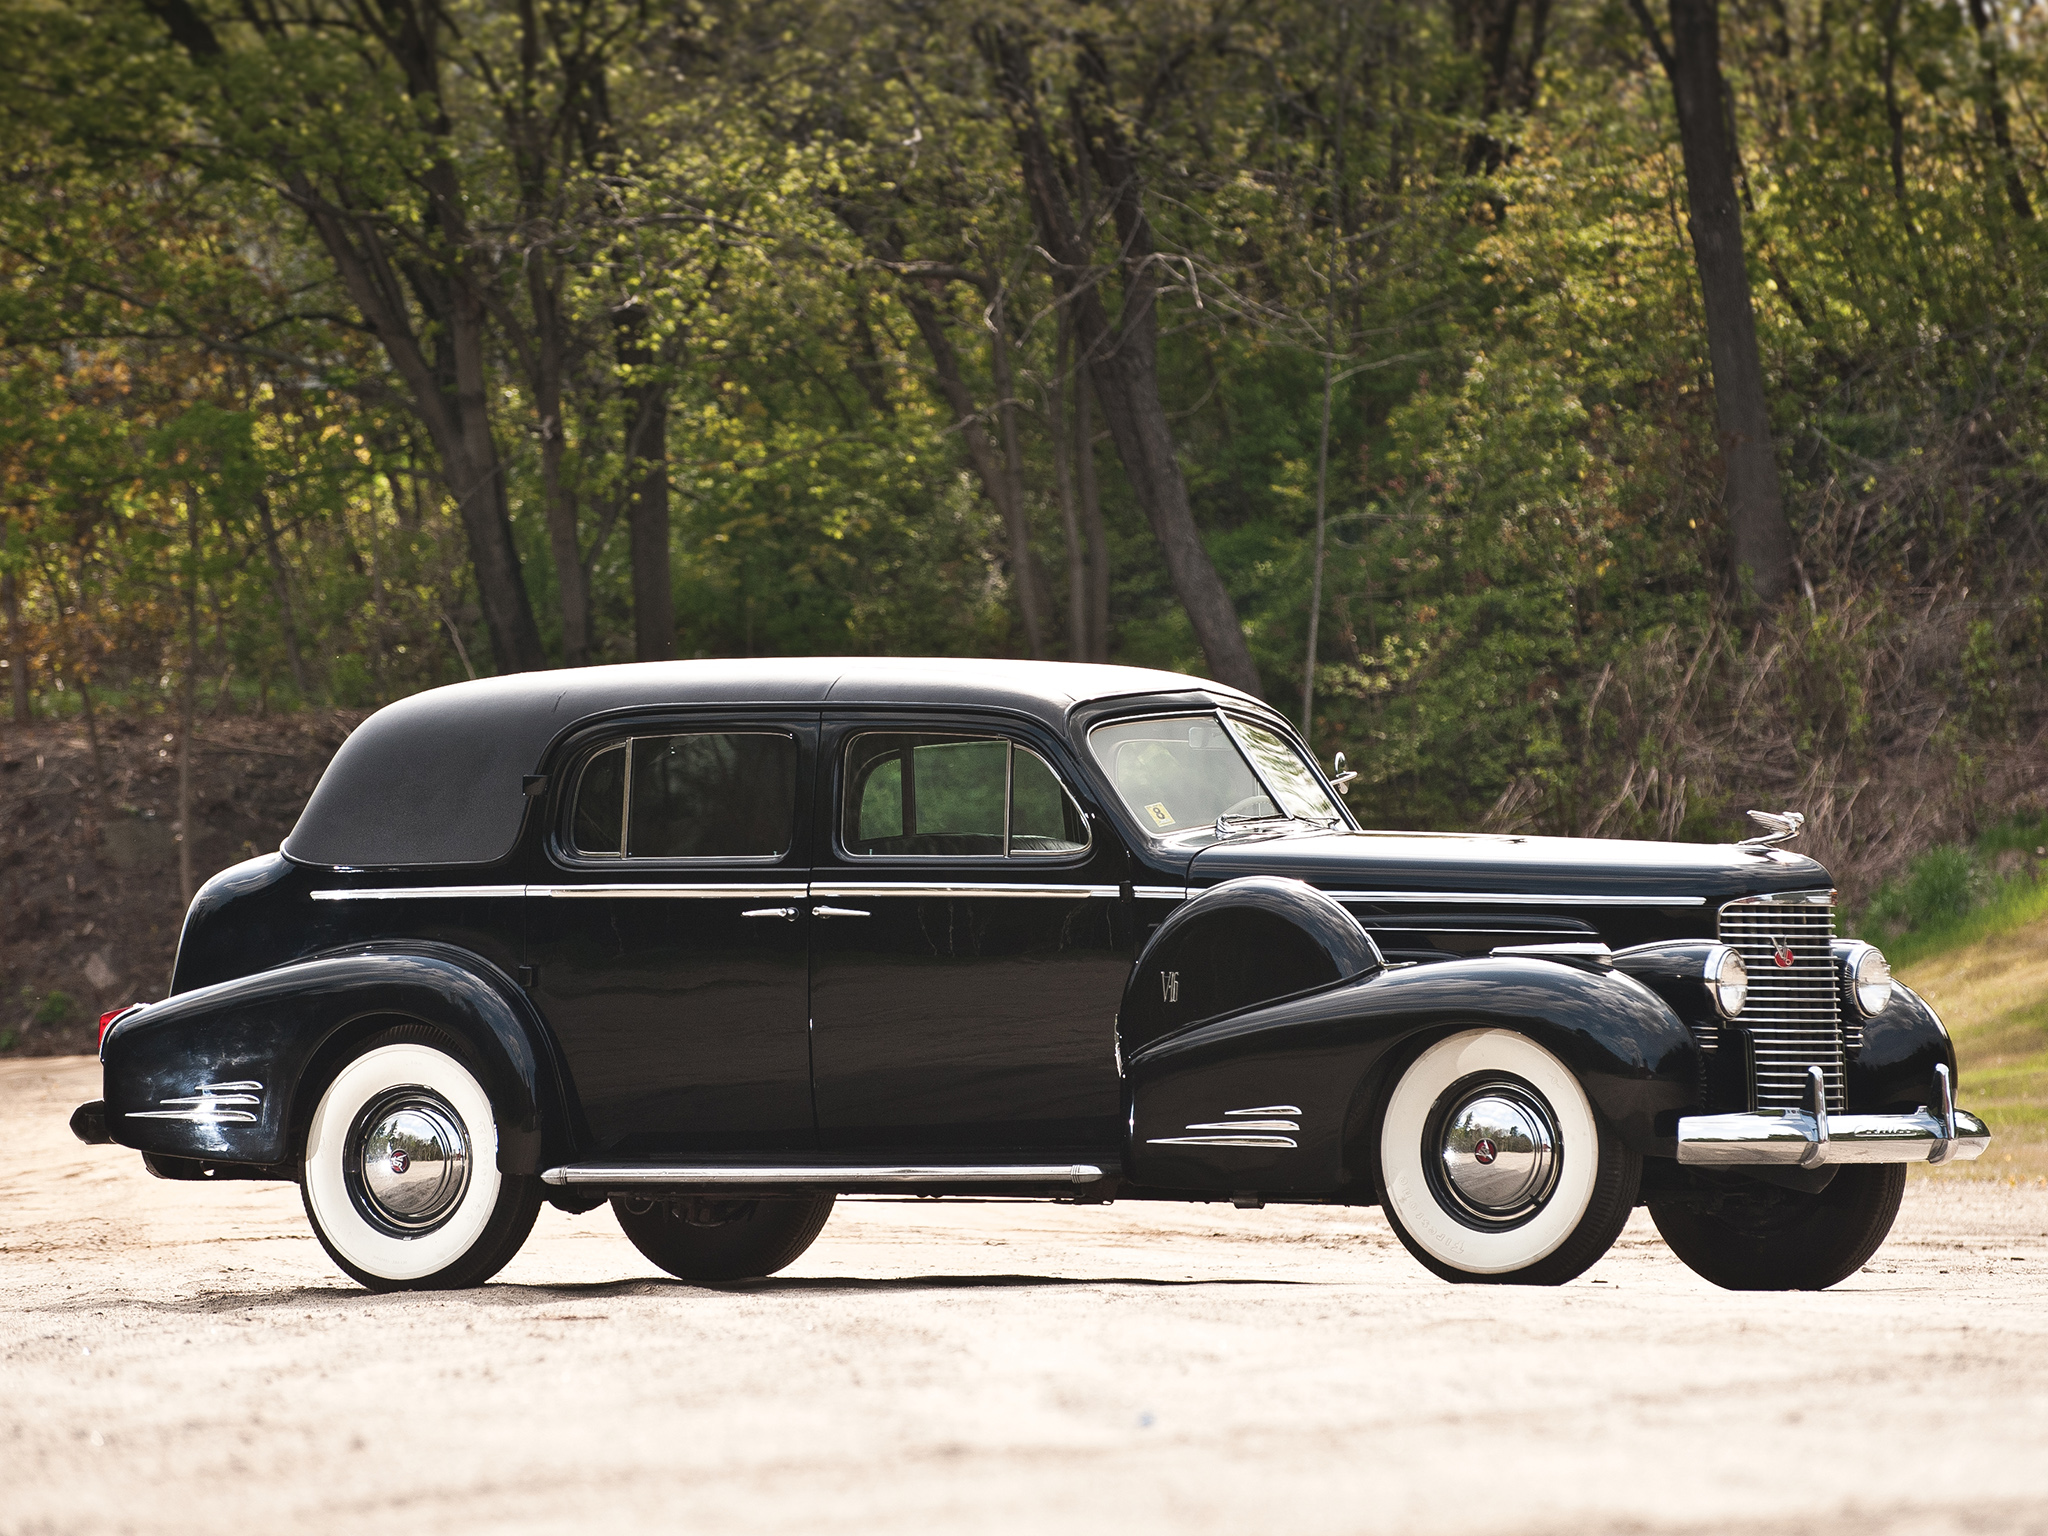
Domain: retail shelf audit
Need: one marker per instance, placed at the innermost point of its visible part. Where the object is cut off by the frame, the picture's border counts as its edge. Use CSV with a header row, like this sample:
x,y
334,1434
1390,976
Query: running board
x,y
818,1175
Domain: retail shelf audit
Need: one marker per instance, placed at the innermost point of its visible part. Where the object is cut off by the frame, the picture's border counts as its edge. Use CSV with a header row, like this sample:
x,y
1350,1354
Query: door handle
x,y
788,913
839,912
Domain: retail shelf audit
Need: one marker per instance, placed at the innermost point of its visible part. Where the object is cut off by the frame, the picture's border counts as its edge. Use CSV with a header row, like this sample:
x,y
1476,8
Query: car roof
x,y
437,778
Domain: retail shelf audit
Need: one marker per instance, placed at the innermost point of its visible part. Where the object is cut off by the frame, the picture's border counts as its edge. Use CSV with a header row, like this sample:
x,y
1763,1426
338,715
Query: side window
x,y
937,795
703,795
1043,818
600,825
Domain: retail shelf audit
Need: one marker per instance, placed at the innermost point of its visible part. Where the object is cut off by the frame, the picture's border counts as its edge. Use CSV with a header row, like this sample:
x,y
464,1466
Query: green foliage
x,y
1523,619
56,1008
1958,893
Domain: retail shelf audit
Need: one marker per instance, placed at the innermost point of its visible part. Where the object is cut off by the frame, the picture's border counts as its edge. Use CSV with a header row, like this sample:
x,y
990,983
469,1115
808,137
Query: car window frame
x,y
1158,837
843,795
569,854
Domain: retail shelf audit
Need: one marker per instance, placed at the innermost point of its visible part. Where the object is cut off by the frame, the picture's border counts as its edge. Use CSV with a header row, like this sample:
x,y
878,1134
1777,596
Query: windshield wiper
x,y
1231,826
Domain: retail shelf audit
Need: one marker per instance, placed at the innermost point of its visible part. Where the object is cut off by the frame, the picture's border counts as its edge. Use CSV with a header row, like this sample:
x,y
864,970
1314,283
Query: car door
x,y
968,945
669,945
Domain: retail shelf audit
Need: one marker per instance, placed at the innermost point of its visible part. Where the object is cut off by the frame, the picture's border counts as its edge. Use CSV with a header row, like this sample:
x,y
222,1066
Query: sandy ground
x,y
177,1357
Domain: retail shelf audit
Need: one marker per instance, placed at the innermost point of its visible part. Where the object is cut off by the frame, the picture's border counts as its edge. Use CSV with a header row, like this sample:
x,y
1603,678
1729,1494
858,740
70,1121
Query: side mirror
x,y
1340,776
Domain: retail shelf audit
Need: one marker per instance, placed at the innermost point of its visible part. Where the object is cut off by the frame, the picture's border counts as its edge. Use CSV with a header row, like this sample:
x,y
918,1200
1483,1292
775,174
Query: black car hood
x,y
1629,892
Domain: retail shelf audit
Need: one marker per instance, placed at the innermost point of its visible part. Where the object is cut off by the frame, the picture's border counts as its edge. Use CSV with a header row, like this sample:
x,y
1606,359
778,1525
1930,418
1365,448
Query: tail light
x,y
107,1023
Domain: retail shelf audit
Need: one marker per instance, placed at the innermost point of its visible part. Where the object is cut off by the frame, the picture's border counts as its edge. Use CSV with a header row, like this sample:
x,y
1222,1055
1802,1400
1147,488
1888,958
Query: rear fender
x,y
1282,1098
228,1073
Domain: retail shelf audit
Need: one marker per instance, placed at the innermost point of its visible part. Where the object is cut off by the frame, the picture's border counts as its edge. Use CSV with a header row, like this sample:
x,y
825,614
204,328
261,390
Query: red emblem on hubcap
x,y
400,1161
1484,1151
1781,954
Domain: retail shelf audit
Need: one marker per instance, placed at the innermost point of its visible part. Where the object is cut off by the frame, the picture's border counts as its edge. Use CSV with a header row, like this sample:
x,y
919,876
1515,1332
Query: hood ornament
x,y
1779,827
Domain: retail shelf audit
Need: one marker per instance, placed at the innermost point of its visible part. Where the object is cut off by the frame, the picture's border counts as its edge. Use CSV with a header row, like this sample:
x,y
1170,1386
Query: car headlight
x,y
1869,976
1727,980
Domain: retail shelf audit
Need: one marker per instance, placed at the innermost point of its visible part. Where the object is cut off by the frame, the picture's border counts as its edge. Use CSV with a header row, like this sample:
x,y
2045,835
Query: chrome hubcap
x,y
408,1161
1496,1147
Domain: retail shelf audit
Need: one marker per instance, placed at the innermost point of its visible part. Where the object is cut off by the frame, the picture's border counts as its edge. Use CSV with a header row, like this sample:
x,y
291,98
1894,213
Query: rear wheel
x,y
401,1178
1495,1167
701,1239
1759,1237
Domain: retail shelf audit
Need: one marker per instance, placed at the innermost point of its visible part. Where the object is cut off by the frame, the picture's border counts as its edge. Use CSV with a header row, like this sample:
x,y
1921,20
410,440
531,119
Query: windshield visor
x,y
1180,773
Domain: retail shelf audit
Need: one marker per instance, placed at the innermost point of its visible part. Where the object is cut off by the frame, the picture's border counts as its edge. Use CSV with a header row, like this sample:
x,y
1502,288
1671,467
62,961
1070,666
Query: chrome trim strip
x,y
1266,1109
1793,1138
669,891
1160,892
1512,899
926,888
1222,1141
421,892
701,1175
1821,898
1245,1125
212,1104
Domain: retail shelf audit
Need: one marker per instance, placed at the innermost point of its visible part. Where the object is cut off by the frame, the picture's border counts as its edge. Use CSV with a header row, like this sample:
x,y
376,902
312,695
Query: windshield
x,y
1184,771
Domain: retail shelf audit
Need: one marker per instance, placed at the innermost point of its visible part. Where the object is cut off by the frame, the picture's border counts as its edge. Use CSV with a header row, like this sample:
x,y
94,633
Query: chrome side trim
x,y
1512,899
703,1176
1821,898
421,892
668,892
1239,1128
1583,950
213,1104
932,889
1160,892
1245,1125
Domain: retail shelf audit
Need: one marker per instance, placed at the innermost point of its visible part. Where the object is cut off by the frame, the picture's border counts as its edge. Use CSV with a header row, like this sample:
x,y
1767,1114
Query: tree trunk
x,y
565,546
188,705
1123,359
1995,115
1759,535
647,525
17,649
1063,480
1091,518
280,583
1003,490
1017,514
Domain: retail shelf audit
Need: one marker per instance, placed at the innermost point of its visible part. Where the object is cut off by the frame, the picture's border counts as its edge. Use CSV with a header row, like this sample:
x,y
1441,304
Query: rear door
x,y
670,943
968,945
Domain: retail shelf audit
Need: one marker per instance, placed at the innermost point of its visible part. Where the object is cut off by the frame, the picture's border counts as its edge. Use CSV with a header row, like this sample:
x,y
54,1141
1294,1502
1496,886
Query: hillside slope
x,y
1993,995
89,880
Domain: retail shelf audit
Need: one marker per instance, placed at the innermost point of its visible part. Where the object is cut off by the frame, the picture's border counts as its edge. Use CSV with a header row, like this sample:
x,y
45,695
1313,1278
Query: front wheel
x,y
1759,1237
703,1239
401,1178
1495,1167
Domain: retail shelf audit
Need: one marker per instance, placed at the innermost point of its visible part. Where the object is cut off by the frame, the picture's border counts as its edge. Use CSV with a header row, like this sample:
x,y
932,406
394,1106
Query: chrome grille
x,y
1794,1012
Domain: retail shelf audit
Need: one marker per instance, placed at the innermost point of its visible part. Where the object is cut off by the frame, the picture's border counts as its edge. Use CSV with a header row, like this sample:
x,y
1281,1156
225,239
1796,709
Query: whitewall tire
x,y
1495,1167
400,1176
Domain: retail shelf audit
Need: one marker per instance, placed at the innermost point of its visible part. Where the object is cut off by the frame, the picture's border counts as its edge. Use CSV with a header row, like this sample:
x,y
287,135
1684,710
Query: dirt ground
x,y
175,1356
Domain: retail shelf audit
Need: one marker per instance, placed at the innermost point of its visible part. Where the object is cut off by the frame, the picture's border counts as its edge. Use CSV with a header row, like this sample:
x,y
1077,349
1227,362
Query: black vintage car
x,y
720,941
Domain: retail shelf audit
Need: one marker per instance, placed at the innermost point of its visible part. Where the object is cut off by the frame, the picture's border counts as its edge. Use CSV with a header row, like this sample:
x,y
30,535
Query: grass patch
x,y
1990,987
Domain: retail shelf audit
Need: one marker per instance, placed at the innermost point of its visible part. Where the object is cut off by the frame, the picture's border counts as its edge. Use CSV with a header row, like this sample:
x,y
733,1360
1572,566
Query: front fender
x,y
220,1073
1320,1060
1891,1070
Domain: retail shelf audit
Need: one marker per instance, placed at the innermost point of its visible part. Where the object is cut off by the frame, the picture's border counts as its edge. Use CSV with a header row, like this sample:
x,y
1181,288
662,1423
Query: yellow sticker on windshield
x,y
1158,812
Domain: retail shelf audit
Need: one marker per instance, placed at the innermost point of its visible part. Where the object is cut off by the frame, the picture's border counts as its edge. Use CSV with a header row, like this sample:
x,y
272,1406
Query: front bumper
x,y
1812,1138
